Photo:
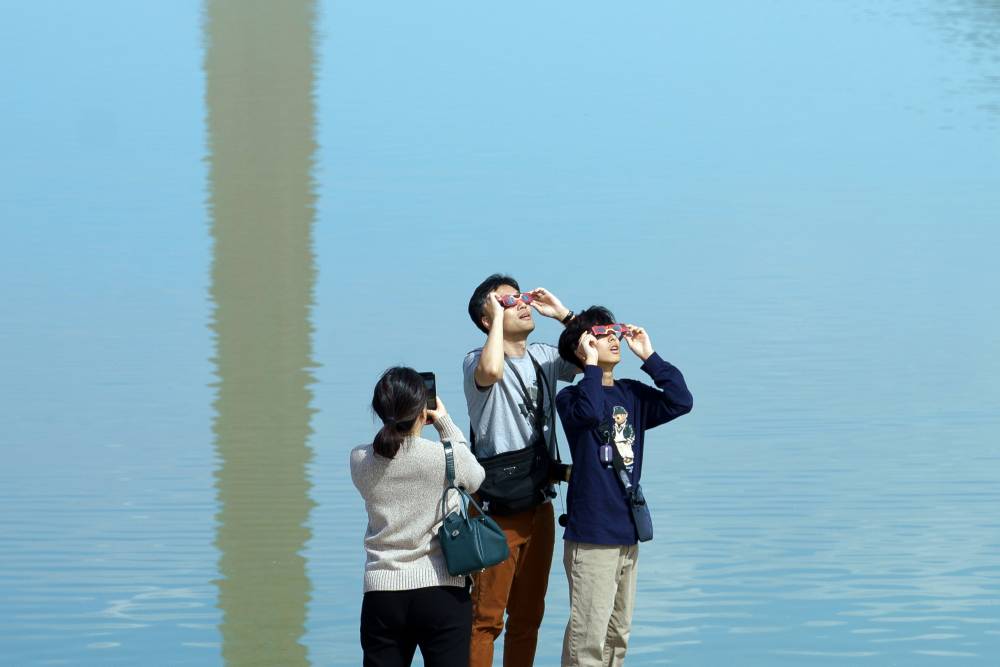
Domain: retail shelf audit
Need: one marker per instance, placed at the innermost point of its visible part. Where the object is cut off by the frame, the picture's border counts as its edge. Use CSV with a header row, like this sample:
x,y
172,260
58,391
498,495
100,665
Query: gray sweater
x,y
403,500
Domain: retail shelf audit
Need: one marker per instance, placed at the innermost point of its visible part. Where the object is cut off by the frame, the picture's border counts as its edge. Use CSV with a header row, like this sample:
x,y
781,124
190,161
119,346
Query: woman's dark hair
x,y
478,299
580,323
399,400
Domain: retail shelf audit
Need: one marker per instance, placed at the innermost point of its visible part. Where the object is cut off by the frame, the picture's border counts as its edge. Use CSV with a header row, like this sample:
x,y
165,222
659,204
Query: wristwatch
x,y
568,317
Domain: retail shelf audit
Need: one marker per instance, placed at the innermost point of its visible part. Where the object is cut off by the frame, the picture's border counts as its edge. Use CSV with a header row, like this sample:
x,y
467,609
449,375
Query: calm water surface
x,y
221,221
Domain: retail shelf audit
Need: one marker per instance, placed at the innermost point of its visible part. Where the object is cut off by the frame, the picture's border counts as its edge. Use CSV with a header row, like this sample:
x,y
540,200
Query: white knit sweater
x,y
403,499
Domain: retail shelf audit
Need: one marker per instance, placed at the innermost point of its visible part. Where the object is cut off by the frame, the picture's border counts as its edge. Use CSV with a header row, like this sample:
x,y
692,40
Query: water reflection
x,y
975,24
259,78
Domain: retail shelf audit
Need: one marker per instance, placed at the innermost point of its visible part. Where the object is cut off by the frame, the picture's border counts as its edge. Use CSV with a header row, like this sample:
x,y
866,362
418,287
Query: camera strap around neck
x,y
539,406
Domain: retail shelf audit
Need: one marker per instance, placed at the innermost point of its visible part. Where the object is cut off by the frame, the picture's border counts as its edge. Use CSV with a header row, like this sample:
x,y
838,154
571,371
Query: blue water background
x,y
799,201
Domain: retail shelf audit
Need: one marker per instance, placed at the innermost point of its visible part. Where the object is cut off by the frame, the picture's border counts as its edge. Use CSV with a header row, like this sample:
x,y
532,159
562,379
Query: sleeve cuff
x,y
448,430
654,361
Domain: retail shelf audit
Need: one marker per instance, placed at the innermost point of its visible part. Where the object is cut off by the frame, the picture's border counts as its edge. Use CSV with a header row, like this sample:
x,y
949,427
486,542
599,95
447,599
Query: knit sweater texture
x,y
403,499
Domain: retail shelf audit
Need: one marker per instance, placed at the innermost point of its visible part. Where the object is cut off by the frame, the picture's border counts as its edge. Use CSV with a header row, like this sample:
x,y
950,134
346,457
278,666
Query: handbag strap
x,y
449,463
449,473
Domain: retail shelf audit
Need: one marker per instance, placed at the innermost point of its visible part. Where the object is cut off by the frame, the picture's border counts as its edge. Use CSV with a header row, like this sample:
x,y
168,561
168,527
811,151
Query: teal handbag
x,y
469,543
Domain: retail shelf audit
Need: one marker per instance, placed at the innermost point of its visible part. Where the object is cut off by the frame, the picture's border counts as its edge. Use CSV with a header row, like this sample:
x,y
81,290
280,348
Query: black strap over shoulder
x,y
539,411
538,407
552,401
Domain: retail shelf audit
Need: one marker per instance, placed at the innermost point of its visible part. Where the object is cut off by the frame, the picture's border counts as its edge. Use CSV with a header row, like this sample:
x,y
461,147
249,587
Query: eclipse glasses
x,y
508,300
619,330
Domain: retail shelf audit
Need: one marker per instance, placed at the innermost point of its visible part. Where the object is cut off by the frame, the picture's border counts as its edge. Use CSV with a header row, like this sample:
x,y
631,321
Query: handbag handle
x,y
449,473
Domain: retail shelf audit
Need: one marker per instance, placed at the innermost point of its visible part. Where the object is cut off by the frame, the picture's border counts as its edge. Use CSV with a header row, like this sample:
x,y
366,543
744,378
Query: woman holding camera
x,y
410,599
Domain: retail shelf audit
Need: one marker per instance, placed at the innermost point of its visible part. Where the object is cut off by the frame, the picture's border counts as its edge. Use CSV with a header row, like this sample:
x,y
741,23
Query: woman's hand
x,y
639,342
434,415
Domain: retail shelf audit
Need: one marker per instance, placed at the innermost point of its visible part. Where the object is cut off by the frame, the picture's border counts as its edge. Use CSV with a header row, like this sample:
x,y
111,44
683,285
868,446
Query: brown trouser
x,y
516,585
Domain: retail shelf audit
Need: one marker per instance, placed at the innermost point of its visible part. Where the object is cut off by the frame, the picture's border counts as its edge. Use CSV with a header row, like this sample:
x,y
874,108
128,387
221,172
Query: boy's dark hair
x,y
478,299
580,323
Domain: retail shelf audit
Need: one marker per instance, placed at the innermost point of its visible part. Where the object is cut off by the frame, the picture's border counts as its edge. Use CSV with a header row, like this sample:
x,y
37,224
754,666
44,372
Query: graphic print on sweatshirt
x,y
618,432
624,435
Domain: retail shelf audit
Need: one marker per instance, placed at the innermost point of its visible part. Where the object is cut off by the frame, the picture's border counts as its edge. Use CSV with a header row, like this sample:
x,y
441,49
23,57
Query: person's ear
x,y
484,313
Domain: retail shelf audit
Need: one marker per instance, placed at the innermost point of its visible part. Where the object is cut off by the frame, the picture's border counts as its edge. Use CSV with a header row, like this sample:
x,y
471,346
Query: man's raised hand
x,y
494,311
546,303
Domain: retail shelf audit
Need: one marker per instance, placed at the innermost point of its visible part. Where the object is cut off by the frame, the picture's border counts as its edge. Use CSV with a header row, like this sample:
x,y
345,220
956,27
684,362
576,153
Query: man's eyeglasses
x,y
618,330
508,300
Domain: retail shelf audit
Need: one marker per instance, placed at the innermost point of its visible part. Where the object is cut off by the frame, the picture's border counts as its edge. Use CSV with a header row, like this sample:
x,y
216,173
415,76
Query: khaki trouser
x,y
517,586
601,598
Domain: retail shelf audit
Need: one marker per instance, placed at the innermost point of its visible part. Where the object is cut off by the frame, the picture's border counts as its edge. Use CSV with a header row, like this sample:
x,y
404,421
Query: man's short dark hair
x,y
478,300
580,323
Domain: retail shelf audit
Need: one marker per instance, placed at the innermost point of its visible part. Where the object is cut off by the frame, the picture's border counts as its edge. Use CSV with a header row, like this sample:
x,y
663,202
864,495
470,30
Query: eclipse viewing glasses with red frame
x,y
508,300
617,329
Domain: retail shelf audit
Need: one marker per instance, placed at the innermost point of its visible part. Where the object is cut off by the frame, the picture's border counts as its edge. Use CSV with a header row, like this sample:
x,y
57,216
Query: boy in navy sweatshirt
x,y
601,540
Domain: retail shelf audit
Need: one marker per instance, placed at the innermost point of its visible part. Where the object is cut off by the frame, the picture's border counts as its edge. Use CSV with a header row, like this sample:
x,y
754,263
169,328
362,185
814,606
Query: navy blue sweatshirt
x,y
593,415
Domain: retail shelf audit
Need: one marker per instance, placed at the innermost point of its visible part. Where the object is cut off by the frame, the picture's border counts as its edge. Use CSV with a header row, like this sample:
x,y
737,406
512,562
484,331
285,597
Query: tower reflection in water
x,y
259,63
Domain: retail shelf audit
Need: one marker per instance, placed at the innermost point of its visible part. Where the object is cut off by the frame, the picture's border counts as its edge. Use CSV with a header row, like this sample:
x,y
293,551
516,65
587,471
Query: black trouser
x,y
437,619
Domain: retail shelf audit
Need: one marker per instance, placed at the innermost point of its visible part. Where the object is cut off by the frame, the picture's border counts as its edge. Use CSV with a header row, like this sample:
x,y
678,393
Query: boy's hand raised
x,y
639,342
586,349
